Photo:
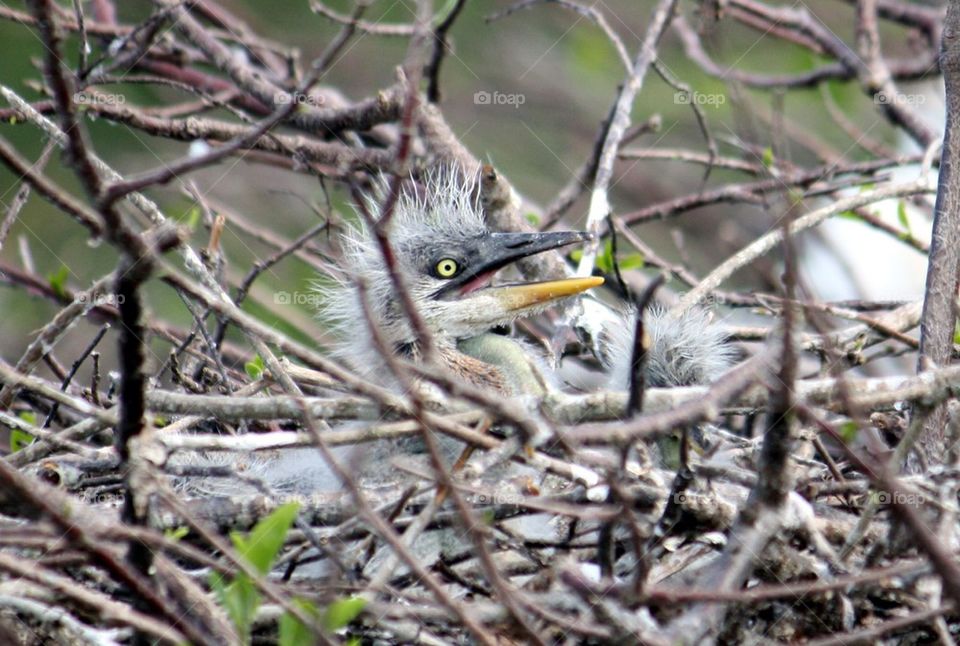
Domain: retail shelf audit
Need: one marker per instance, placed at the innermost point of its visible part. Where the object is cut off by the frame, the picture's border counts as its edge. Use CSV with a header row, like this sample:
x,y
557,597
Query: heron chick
x,y
686,349
447,259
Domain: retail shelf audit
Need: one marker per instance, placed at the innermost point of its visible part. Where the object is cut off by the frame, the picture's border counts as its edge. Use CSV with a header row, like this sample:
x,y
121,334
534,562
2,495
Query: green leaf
x,y
217,583
342,611
956,333
633,261
576,255
20,440
28,416
902,216
58,281
292,630
767,158
266,539
850,215
605,257
532,218
193,217
254,368
848,431
240,599
176,533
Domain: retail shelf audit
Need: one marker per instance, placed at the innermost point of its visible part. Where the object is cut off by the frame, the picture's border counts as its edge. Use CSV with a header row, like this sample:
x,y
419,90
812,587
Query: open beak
x,y
518,297
494,251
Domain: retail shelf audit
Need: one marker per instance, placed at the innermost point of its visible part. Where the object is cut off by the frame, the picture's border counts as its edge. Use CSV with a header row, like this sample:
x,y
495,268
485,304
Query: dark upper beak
x,y
497,250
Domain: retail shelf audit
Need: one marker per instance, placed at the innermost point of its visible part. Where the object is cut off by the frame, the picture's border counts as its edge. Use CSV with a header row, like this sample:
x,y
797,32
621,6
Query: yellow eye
x,y
447,267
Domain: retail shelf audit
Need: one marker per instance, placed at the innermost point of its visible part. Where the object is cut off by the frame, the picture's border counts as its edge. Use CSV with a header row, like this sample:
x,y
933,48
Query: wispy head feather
x,y
425,218
446,260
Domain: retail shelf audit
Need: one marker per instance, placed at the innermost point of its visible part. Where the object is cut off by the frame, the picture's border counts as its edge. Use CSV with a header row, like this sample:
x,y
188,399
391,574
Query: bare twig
x,y
619,120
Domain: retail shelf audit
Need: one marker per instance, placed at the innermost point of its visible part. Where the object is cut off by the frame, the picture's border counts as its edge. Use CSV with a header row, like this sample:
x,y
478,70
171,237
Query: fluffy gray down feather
x,y
685,349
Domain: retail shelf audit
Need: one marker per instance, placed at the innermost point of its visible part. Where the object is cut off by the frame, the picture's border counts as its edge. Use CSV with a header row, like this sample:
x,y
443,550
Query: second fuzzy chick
x,y
686,349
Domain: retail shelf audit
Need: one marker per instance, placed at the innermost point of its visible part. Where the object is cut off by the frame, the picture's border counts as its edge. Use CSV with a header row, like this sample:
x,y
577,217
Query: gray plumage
x,y
446,257
423,227
443,223
685,349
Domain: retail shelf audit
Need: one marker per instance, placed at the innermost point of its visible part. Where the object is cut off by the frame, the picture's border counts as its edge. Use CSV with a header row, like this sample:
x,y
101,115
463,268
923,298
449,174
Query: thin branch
x,y
619,121
768,241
